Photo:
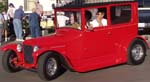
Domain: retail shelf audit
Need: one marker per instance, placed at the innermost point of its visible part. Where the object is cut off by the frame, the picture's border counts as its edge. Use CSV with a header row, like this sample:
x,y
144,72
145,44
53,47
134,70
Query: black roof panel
x,y
84,3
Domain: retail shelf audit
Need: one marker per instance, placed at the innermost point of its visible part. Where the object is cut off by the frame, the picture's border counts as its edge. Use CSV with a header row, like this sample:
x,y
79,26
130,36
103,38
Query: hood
x,y
61,36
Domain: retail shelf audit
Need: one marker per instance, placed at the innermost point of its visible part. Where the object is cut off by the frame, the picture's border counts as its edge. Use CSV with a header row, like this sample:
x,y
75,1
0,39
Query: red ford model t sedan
x,y
88,35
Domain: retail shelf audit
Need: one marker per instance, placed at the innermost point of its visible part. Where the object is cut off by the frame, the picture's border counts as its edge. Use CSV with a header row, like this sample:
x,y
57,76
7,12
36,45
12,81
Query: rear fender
x,y
123,48
144,39
127,43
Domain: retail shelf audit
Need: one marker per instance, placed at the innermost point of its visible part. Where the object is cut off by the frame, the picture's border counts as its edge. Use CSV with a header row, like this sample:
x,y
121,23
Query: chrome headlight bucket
x,y
35,48
19,47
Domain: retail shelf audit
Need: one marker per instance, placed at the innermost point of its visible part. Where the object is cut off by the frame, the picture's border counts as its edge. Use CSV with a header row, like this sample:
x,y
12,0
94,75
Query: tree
x,y
1,6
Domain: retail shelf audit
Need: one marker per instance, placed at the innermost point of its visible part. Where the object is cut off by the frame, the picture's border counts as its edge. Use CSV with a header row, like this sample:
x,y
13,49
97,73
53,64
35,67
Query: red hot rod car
x,y
79,46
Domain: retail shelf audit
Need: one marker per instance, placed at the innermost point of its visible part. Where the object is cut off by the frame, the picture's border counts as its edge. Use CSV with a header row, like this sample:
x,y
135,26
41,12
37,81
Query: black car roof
x,y
81,4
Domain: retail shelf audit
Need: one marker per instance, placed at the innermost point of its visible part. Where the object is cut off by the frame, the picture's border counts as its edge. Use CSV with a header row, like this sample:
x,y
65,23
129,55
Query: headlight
x,y
19,47
36,48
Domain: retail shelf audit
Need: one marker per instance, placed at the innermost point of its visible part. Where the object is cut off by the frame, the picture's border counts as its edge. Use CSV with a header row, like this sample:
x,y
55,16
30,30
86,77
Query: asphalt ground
x,y
119,73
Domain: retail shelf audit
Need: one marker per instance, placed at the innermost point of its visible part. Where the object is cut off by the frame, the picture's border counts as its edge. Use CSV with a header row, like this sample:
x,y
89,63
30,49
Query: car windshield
x,y
69,19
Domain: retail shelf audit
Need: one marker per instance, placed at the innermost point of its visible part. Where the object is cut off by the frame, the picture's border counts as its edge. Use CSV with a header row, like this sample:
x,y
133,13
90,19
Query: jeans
x,y
35,31
18,28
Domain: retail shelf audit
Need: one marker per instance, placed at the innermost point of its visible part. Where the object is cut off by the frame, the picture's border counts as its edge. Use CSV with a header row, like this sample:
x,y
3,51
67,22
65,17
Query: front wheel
x,y
49,67
136,52
8,63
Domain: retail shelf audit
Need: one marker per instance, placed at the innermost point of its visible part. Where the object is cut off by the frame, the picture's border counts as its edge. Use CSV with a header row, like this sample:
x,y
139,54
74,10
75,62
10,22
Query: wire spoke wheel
x,y
8,62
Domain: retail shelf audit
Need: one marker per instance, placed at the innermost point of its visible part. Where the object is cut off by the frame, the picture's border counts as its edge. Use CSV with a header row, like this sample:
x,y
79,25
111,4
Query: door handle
x,y
109,33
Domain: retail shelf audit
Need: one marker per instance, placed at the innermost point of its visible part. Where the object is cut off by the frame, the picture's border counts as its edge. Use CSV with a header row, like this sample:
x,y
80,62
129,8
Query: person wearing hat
x,y
61,19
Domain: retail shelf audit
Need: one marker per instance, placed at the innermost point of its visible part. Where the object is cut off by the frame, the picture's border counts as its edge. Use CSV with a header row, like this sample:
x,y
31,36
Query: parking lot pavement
x,y
120,73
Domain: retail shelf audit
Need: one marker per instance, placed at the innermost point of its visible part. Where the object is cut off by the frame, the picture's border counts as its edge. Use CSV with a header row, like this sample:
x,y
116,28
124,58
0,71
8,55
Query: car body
x,y
77,48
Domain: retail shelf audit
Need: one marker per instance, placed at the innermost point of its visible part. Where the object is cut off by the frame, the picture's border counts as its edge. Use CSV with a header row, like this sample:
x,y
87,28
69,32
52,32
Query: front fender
x,y
41,51
8,47
60,52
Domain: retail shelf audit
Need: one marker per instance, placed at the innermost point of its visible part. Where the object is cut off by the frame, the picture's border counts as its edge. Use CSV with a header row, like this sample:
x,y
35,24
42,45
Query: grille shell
x,y
28,50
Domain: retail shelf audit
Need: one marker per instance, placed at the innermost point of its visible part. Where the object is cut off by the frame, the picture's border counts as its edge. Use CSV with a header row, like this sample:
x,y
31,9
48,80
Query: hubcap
x,y
137,52
51,66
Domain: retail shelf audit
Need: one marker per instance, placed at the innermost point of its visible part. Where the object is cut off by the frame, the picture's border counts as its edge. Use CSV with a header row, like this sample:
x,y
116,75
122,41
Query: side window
x,y
96,17
120,14
69,19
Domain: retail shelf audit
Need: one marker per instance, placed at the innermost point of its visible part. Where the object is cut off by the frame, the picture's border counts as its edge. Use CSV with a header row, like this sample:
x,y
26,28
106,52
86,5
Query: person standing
x,y
1,27
62,19
17,22
10,13
39,8
5,24
34,24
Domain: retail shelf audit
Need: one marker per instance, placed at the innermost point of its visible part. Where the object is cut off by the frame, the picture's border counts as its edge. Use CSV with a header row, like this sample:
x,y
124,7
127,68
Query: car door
x,y
98,42
98,47
123,29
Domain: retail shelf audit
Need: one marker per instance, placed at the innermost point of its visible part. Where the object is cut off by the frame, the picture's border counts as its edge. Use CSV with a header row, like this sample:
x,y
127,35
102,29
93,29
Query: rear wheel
x,y
7,62
136,52
49,67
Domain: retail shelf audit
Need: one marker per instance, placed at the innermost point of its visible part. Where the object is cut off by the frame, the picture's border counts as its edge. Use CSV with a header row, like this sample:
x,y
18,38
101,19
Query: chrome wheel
x,y
137,52
51,66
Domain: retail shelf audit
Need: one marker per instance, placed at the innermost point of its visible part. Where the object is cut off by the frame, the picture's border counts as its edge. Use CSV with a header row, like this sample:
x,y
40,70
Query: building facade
x,y
3,1
30,4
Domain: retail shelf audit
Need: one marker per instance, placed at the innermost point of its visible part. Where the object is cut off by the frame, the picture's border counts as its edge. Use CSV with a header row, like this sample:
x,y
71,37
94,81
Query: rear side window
x,y
144,16
120,14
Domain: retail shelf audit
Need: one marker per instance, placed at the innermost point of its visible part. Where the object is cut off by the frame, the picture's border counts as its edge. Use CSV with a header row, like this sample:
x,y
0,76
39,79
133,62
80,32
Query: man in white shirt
x,y
99,21
11,11
61,19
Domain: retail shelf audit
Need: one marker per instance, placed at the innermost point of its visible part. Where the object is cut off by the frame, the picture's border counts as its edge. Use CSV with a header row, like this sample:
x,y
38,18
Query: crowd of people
x,y
11,22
